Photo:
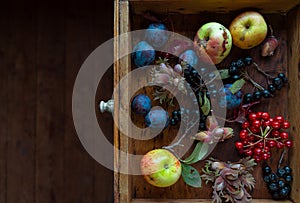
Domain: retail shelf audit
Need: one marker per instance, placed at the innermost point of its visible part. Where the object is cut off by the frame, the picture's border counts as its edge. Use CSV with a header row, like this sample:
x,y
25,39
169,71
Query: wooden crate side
x,y
294,94
198,201
225,6
122,182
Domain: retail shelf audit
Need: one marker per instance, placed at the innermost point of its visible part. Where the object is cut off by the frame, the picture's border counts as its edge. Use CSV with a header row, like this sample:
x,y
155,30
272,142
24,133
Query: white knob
x,y
107,106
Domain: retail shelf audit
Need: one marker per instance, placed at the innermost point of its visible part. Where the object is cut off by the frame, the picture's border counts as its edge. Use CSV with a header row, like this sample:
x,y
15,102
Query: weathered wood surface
x,y
43,45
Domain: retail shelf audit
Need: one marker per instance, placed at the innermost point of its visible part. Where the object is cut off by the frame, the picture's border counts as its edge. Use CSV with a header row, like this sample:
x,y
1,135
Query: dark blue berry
x,y
287,169
240,63
256,96
233,63
284,80
248,60
271,88
283,193
247,98
194,73
173,121
266,93
273,177
186,72
281,184
273,187
267,179
281,75
277,83
202,126
267,170
235,77
202,70
232,70
288,178
288,188
280,172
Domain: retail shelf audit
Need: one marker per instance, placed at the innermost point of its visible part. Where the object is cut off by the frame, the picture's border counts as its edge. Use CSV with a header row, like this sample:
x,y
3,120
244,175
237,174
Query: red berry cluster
x,y
260,133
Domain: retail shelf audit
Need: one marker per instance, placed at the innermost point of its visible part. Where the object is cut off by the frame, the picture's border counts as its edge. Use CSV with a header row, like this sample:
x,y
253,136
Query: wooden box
x,y
187,17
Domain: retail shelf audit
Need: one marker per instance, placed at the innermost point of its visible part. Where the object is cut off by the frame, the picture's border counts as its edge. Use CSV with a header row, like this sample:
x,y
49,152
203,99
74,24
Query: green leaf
x,y
206,106
237,85
198,154
224,74
191,176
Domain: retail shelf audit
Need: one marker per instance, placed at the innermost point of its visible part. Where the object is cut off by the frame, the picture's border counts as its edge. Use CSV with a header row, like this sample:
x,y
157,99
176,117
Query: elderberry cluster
x,y
236,66
278,183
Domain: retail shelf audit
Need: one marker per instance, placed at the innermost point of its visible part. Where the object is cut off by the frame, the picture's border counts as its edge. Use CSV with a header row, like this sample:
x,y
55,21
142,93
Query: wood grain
x,y
50,102
4,92
21,109
294,94
79,182
195,6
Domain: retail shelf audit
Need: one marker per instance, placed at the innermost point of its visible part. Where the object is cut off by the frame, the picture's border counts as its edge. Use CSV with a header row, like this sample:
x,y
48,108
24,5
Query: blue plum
x,y
157,119
141,104
231,100
143,54
190,57
156,35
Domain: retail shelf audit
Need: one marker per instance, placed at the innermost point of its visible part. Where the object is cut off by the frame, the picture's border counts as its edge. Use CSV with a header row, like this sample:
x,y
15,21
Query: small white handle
x,y
107,106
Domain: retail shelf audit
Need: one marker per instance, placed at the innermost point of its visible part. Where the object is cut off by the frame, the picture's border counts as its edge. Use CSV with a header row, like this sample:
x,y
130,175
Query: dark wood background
x,y
42,46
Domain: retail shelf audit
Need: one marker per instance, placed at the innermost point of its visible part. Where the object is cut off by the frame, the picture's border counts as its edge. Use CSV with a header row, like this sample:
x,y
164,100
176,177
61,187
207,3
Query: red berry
x,y
275,125
266,149
259,114
260,144
271,143
265,116
257,158
284,135
280,145
246,124
266,123
257,151
271,120
254,129
265,156
241,151
251,138
246,141
286,125
275,133
288,143
243,134
280,119
256,123
248,152
239,145
252,116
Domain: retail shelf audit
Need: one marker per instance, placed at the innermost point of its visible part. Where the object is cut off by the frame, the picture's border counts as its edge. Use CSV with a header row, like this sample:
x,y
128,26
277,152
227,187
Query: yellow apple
x,y
160,168
248,29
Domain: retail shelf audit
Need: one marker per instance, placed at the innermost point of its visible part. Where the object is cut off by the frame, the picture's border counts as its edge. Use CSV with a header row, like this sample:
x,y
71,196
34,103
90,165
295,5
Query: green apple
x,y
248,29
212,42
160,168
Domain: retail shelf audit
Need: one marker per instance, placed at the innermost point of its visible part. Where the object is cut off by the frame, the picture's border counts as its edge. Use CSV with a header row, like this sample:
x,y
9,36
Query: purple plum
x,y
157,119
156,34
231,100
190,57
143,54
141,104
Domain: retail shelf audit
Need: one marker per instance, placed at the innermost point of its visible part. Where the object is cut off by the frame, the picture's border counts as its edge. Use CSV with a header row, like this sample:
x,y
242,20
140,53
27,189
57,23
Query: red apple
x,y
248,29
160,168
212,42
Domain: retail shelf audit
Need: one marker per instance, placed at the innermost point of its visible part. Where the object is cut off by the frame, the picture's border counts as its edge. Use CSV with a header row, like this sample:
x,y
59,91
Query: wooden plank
x,y
198,201
21,55
294,94
102,31
122,182
50,102
196,6
79,166
4,91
